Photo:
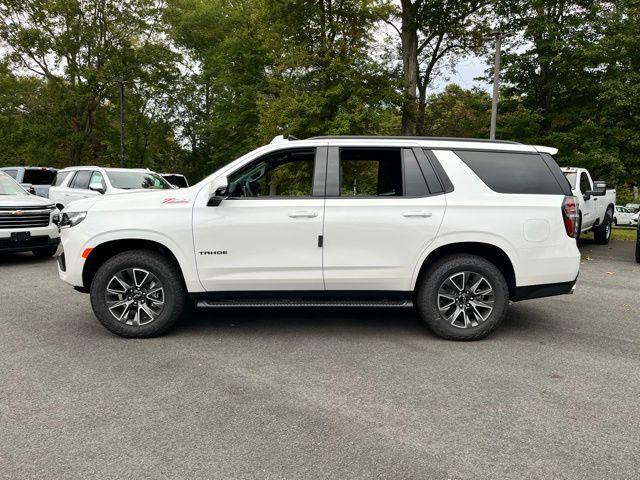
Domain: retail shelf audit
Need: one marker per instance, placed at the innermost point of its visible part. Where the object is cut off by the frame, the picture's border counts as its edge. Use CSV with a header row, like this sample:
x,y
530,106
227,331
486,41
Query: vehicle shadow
x,y
23,258
322,321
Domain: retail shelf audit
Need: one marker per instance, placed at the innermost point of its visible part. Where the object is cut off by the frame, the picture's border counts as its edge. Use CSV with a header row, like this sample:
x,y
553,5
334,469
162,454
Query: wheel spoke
x,y
134,296
465,299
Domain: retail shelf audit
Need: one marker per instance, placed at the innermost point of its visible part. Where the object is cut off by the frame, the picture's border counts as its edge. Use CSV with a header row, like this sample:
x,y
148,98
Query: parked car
x,y
596,204
28,223
634,207
176,179
638,243
39,178
76,183
457,228
623,216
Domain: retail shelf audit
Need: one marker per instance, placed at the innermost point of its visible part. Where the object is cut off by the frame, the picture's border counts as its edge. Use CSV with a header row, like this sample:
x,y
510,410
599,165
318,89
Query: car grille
x,y
25,217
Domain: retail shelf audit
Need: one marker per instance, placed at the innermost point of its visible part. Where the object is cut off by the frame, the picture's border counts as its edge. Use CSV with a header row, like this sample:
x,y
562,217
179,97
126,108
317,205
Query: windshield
x,y
8,186
134,180
571,178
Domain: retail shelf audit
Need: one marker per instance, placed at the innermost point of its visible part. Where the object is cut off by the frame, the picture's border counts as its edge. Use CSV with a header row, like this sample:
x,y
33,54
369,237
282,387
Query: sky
x,y
464,74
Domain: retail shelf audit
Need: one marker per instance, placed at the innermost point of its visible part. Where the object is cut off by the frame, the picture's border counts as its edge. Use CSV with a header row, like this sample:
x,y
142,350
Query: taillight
x,y
570,215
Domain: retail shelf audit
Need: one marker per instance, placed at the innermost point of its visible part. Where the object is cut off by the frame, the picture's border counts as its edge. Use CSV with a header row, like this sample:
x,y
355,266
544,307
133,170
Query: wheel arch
x,y
489,252
104,251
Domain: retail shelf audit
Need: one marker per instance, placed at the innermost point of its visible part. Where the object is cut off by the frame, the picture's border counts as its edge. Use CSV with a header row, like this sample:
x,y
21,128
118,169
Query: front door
x,y
265,236
384,207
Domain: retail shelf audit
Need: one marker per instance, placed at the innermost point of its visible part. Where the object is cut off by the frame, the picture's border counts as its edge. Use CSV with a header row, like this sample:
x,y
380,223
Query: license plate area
x,y
20,237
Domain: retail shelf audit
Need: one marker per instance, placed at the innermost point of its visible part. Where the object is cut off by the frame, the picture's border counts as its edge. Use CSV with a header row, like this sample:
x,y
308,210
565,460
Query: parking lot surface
x,y
342,394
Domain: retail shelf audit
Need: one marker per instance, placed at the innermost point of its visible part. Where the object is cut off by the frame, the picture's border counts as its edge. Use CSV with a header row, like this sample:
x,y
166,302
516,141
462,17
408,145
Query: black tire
x,y
45,252
638,244
427,297
615,221
602,233
579,232
174,293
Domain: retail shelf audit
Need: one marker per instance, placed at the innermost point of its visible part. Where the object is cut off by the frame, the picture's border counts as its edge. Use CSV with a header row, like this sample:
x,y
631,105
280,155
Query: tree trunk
x,y
422,107
409,36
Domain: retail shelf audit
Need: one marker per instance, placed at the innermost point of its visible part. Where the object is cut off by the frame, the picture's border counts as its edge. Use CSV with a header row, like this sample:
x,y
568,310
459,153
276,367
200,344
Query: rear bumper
x,y
545,290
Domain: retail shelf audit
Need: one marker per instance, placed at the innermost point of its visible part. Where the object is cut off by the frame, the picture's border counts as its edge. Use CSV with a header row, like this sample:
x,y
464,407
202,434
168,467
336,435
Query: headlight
x,y
71,219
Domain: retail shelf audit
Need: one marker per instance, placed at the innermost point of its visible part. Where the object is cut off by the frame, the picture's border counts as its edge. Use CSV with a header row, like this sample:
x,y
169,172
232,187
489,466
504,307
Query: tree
x,y
430,32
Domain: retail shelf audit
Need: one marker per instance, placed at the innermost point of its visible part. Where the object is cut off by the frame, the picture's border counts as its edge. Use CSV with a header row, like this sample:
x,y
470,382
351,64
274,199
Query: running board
x,y
297,303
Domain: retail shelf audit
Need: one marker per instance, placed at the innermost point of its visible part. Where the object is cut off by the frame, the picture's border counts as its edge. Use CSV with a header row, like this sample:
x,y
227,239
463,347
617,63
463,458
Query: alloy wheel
x,y
135,296
465,299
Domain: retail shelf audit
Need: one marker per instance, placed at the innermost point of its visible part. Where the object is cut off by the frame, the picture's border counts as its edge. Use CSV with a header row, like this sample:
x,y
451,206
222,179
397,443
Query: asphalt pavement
x,y
336,394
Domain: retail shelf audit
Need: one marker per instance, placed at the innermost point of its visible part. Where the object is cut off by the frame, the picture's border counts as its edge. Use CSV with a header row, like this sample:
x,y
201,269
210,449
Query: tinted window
x,y
370,172
508,172
38,176
59,179
281,174
585,185
132,180
12,173
414,182
81,179
176,180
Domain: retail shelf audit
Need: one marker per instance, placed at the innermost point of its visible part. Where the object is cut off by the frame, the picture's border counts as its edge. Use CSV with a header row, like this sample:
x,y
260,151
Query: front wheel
x,y
602,233
463,297
138,294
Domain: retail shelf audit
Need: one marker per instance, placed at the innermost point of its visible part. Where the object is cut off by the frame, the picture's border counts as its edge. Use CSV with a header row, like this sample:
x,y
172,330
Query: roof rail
x,y
398,137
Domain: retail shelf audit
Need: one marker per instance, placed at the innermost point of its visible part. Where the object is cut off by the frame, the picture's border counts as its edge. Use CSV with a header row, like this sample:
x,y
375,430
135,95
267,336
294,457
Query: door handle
x,y
422,214
303,214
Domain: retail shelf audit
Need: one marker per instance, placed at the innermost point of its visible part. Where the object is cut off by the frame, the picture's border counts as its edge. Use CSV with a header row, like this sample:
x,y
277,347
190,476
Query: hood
x,y
133,199
23,201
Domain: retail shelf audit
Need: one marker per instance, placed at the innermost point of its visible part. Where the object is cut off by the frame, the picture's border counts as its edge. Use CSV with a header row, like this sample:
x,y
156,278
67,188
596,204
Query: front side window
x,y
81,180
97,177
585,185
8,186
281,174
131,180
370,172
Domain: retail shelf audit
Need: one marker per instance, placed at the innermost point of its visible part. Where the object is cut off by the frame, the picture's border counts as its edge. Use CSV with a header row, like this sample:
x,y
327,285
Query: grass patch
x,y
622,234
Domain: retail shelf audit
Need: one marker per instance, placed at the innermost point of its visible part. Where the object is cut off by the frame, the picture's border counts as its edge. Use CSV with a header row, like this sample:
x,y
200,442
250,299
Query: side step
x,y
298,303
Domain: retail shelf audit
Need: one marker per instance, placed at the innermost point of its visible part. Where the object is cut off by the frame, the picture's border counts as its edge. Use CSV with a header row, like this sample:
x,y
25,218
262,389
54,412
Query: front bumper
x,y
36,242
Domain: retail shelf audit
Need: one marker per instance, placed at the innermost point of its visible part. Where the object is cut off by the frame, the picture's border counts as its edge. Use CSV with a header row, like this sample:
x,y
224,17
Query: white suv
x,y
28,223
76,183
456,227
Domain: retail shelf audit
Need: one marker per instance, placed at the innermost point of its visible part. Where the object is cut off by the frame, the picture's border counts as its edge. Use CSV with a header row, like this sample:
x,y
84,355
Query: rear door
x,y
384,206
79,187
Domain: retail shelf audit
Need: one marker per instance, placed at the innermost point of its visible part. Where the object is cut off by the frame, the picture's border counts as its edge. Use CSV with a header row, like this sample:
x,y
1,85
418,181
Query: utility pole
x,y
496,86
121,123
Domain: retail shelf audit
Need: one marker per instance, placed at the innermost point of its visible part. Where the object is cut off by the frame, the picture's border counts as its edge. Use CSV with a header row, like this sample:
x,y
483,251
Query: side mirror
x,y
218,196
596,193
97,187
586,195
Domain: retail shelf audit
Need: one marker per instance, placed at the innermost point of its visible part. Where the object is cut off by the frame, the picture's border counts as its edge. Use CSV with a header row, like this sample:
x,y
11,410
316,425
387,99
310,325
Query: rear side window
x,y
59,179
12,173
370,172
38,176
509,172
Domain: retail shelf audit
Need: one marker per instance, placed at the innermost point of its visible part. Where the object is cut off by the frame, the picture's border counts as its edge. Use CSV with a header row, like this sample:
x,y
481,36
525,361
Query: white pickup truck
x,y
596,203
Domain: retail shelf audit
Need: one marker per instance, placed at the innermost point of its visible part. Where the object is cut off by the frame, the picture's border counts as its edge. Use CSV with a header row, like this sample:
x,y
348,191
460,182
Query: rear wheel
x,y
602,233
137,294
463,297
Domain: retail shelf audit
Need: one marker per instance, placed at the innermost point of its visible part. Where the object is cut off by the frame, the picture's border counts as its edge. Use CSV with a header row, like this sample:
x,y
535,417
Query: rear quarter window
x,y
511,172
